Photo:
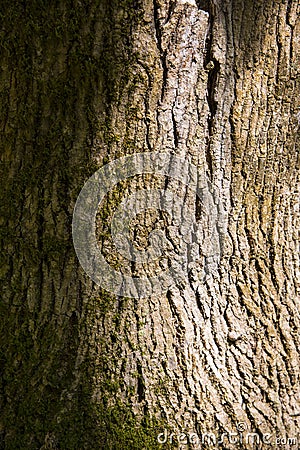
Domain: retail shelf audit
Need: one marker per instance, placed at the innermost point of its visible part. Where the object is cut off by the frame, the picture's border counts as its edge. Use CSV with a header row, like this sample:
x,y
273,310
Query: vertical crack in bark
x,y
140,383
214,70
175,131
159,44
204,5
212,66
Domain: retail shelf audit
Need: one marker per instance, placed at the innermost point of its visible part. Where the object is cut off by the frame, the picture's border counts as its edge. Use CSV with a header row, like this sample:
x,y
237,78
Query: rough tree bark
x,y
216,83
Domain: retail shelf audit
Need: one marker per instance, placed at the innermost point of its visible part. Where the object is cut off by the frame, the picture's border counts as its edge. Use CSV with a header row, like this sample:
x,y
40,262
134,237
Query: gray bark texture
x,y
212,362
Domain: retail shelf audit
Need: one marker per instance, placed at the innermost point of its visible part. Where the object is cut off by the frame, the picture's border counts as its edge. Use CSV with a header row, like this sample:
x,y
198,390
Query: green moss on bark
x,y
62,63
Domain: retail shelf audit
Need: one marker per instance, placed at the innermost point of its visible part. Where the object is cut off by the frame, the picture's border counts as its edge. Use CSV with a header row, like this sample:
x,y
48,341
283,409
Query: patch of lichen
x,y
107,420
103,427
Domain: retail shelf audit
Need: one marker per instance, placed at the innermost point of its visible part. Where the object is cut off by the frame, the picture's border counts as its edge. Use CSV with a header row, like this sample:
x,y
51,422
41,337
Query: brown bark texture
x,y
213,361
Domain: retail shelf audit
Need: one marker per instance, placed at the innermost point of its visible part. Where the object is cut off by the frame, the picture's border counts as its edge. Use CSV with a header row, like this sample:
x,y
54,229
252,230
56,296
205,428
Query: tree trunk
x,y
212,360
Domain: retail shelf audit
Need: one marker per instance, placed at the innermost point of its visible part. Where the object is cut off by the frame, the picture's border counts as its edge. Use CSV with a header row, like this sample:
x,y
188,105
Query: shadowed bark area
x,y
217,84
60,65
47,91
